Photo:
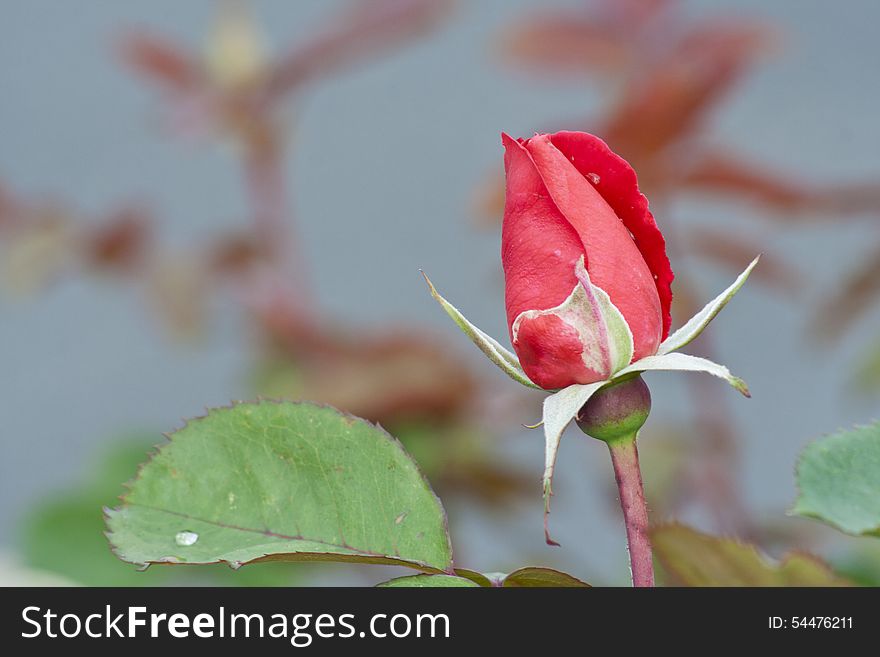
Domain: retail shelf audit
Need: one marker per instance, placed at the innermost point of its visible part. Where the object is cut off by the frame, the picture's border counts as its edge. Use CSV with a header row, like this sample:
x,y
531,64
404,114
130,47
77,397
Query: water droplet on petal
x,y
594,178
186,538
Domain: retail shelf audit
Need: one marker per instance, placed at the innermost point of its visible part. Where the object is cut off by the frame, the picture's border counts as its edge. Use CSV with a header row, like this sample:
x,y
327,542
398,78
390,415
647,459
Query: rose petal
x,y
586,327
551,353
618,185
539,248
614,262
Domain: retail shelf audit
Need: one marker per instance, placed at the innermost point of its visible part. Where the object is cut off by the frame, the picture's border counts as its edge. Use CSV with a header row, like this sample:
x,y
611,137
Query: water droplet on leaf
x,y
186,538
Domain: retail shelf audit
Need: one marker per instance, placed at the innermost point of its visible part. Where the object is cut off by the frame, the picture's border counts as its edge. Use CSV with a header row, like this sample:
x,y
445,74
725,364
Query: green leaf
x,y
281,481
690,558
558,411
485,580
529,577
64,534
697,324
839,481
866,380
429,581
687,363
502,357
860,563
534,577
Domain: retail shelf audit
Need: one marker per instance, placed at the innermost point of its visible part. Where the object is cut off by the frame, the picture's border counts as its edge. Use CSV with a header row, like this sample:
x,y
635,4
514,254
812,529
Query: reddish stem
x,y
625,459
264,173
264,169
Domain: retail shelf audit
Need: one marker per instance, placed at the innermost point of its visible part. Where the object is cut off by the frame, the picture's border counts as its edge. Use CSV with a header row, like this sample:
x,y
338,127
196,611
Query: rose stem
x,y
625,459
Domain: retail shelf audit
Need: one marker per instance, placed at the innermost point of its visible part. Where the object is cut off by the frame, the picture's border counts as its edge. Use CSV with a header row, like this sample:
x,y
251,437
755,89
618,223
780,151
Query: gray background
x,y
383,176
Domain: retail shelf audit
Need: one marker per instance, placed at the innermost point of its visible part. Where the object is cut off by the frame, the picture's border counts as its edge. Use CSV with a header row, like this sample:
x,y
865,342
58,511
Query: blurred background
x,y
207,201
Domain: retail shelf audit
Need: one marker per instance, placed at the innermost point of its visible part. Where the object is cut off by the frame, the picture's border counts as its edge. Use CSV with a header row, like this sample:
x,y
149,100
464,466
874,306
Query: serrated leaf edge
x,y
308,556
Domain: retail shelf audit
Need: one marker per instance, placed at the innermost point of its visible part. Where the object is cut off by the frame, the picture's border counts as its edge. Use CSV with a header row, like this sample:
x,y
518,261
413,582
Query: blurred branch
x,y
722,173
729,250
850,299
160,61
366,28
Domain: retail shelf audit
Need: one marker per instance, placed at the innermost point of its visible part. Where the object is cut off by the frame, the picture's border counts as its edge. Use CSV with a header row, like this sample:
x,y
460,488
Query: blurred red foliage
x,y
663,77
407,380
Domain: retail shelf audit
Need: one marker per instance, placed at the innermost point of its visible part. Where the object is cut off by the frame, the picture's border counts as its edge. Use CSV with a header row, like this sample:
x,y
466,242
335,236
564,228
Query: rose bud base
x,y
616,411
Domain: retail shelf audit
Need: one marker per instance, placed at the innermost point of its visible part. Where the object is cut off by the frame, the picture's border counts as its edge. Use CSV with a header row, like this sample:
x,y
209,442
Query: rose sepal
x,y
562,406
506,360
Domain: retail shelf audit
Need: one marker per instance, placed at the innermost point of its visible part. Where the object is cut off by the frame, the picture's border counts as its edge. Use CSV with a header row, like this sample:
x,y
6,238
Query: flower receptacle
x,y
617,411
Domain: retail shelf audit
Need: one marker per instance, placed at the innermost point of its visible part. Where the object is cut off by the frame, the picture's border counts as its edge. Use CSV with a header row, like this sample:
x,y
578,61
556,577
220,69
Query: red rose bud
x,y
587,279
